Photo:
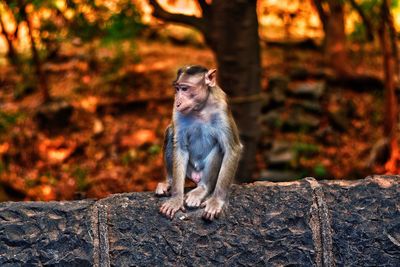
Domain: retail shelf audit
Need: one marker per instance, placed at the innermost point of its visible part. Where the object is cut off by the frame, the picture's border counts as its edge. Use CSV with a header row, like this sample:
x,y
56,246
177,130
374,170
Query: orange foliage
x,y
55,151
393,165
138,138
4,147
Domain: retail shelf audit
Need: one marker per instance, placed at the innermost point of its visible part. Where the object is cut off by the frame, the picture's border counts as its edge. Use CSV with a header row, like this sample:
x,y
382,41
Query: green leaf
x,y
80,175
38,3
8,119
320,170
154,149
122,26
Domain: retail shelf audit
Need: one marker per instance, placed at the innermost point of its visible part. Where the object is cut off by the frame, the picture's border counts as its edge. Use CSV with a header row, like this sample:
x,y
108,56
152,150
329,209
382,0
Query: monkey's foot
x,y
213,208
171,206
194,197
163,189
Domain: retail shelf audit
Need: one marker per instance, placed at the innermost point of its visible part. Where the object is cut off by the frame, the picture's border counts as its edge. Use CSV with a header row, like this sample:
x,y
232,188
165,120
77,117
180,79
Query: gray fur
x,y
199,139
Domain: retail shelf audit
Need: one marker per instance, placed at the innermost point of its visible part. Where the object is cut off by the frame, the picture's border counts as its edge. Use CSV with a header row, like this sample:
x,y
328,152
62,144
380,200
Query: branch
x,y
321,13
161,13
3,30
392,34
367,22
205,8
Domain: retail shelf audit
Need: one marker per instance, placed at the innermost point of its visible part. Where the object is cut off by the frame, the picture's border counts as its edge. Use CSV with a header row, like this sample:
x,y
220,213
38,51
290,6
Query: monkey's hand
x,y
162,189
171,206
213,208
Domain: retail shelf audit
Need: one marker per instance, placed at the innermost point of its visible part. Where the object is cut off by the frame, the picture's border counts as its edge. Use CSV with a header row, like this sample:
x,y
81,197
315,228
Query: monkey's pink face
x,y
189,96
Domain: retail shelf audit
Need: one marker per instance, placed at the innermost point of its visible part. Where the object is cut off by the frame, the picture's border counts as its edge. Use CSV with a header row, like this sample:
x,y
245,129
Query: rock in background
x,y
289,107
310,115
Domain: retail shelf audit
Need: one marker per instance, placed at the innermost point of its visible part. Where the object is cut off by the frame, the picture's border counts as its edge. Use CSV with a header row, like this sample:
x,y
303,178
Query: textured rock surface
x,y
302,223
365,219
264,225
54,233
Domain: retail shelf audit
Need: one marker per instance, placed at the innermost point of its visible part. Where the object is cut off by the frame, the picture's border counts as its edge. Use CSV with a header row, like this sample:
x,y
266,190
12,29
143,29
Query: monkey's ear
x,y
211,78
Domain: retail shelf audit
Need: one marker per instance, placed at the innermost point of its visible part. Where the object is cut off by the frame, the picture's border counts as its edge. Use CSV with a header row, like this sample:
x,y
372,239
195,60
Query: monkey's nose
x,y
178,105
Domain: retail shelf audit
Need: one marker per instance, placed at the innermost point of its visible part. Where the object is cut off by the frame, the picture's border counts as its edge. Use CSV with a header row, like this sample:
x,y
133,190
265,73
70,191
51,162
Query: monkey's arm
x,y
175,203
232,148
227,172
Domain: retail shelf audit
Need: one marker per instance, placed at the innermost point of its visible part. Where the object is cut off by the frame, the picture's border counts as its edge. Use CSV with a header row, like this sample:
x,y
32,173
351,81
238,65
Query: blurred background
x,y
86,89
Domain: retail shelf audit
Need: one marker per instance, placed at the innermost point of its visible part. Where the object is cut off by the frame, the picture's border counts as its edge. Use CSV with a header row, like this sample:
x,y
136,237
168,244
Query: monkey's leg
x,y
164,187
207,181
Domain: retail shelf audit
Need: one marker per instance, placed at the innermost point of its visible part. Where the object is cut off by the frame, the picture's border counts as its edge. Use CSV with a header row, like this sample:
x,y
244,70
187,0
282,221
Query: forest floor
x,y
119,104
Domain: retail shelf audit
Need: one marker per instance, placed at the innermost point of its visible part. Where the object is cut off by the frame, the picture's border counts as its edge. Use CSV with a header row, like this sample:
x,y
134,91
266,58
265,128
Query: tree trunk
x,y
230,28
42,81
332,18
335,39
236,47
389,63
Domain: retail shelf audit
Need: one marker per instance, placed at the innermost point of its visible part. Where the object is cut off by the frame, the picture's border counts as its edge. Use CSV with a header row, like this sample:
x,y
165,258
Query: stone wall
x,y
302,223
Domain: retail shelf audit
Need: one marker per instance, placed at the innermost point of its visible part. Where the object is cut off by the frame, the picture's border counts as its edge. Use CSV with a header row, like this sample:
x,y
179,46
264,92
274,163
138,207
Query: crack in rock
x,y
320,224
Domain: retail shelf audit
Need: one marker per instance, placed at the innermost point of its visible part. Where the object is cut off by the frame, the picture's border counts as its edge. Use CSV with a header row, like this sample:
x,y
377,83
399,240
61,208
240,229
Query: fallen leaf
x,y
98,126
56,150
139,138
89,103
4,148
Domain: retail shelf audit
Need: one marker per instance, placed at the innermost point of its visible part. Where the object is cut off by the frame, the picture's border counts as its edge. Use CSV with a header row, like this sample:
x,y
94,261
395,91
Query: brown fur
x,y
199,97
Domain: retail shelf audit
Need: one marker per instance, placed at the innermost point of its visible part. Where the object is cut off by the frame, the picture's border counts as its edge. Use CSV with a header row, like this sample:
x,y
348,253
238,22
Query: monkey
x,y
202,144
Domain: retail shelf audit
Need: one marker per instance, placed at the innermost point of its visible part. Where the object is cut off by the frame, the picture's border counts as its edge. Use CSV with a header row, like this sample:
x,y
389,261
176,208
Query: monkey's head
x,y
192,87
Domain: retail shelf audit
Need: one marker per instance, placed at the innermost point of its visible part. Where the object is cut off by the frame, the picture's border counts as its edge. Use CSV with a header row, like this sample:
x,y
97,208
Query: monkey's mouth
x,y
184,110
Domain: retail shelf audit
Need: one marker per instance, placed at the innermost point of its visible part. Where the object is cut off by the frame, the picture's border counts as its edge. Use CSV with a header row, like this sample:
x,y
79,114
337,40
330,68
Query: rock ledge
x,y
302,223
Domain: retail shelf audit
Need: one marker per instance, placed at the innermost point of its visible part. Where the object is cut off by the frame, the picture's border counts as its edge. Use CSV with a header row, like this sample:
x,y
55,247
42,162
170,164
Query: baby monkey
x,y
202,144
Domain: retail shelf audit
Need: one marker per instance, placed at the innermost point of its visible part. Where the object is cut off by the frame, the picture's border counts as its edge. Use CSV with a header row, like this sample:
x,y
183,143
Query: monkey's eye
x,y
181,88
